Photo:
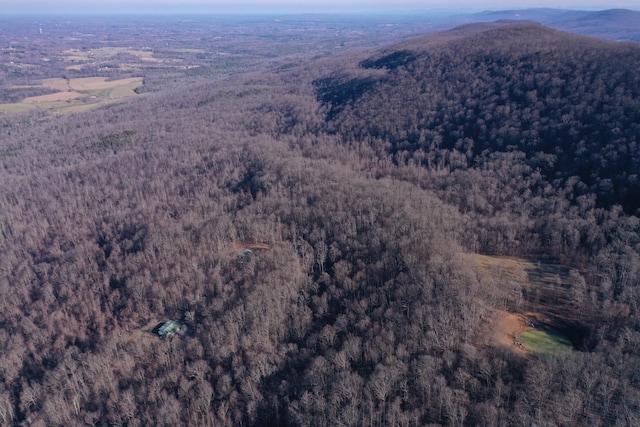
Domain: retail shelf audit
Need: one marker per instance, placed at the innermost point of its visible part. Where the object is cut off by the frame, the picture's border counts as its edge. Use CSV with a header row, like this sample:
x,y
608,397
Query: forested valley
x,y
312,227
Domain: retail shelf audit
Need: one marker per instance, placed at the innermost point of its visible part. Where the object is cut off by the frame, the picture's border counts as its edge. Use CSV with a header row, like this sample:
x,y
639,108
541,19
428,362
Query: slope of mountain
x,y
569,104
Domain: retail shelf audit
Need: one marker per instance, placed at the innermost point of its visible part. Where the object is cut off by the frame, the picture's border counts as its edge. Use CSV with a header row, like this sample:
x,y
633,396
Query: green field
x,y
76,95
108,52
545,342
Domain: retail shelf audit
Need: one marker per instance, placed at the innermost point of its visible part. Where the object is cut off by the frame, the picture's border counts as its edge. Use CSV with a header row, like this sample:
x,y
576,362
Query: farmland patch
x,y
75,95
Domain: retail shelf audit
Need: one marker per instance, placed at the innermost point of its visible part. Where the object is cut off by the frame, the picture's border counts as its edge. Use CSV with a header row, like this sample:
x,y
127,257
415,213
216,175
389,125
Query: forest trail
x,y
239,246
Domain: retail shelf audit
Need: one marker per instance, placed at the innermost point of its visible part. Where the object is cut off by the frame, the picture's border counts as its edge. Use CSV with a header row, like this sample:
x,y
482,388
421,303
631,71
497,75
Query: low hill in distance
x,y
613,24
610,24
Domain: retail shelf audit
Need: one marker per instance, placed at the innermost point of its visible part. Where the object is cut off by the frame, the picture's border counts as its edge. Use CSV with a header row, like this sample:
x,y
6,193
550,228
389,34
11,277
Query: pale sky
x,y
36,6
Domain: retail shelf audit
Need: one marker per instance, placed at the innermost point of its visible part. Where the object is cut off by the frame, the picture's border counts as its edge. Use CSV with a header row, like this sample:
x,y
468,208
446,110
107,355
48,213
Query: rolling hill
x,y
568,104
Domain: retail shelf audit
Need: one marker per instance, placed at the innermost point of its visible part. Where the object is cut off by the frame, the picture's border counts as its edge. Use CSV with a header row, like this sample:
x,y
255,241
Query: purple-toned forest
x,y
317,221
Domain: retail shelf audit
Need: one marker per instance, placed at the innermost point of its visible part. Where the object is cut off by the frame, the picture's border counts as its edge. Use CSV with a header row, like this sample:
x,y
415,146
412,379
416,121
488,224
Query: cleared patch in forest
x,y
529,303
502,328
545,342
109,53
504,279
239,246
150,331
88,84
52,97
144,332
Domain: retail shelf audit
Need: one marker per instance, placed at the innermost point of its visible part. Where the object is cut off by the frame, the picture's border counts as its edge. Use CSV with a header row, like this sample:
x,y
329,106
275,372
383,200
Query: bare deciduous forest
x,y
349,235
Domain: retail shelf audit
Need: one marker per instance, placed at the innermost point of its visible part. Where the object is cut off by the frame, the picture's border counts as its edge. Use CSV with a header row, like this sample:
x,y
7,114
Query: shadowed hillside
x,y
569,105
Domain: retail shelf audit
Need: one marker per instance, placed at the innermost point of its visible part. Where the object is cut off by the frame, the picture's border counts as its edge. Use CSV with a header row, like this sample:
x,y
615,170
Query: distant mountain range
x,y
611,24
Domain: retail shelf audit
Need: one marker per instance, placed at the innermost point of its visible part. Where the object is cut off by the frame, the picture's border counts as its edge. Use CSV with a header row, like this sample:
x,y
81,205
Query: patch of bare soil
x,y
143,331
521,295
504,328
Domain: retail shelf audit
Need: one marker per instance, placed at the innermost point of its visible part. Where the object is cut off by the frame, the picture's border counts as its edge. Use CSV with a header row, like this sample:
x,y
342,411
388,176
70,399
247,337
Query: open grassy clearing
x,y
500,269
106,53
527,300
84,84
52,97
80,106
100,83
545,342
503,277
189,50
76,95
56,83
502,328
16,108
54,106
125,90
551,290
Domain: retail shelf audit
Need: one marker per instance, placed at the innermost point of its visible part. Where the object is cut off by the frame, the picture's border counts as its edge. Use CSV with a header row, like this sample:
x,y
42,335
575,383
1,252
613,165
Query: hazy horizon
x,y
290,6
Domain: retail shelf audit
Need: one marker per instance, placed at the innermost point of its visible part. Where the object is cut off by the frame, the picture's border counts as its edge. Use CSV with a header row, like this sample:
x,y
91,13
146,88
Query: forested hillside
x,y
312,228
570,105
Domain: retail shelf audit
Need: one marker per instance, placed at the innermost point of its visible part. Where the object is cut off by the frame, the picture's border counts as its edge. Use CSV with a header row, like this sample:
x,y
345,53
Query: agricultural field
x,y
108,53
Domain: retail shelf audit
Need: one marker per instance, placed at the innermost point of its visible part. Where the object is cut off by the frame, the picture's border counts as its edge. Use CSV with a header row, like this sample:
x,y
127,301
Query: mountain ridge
x,y
608,24
505,86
